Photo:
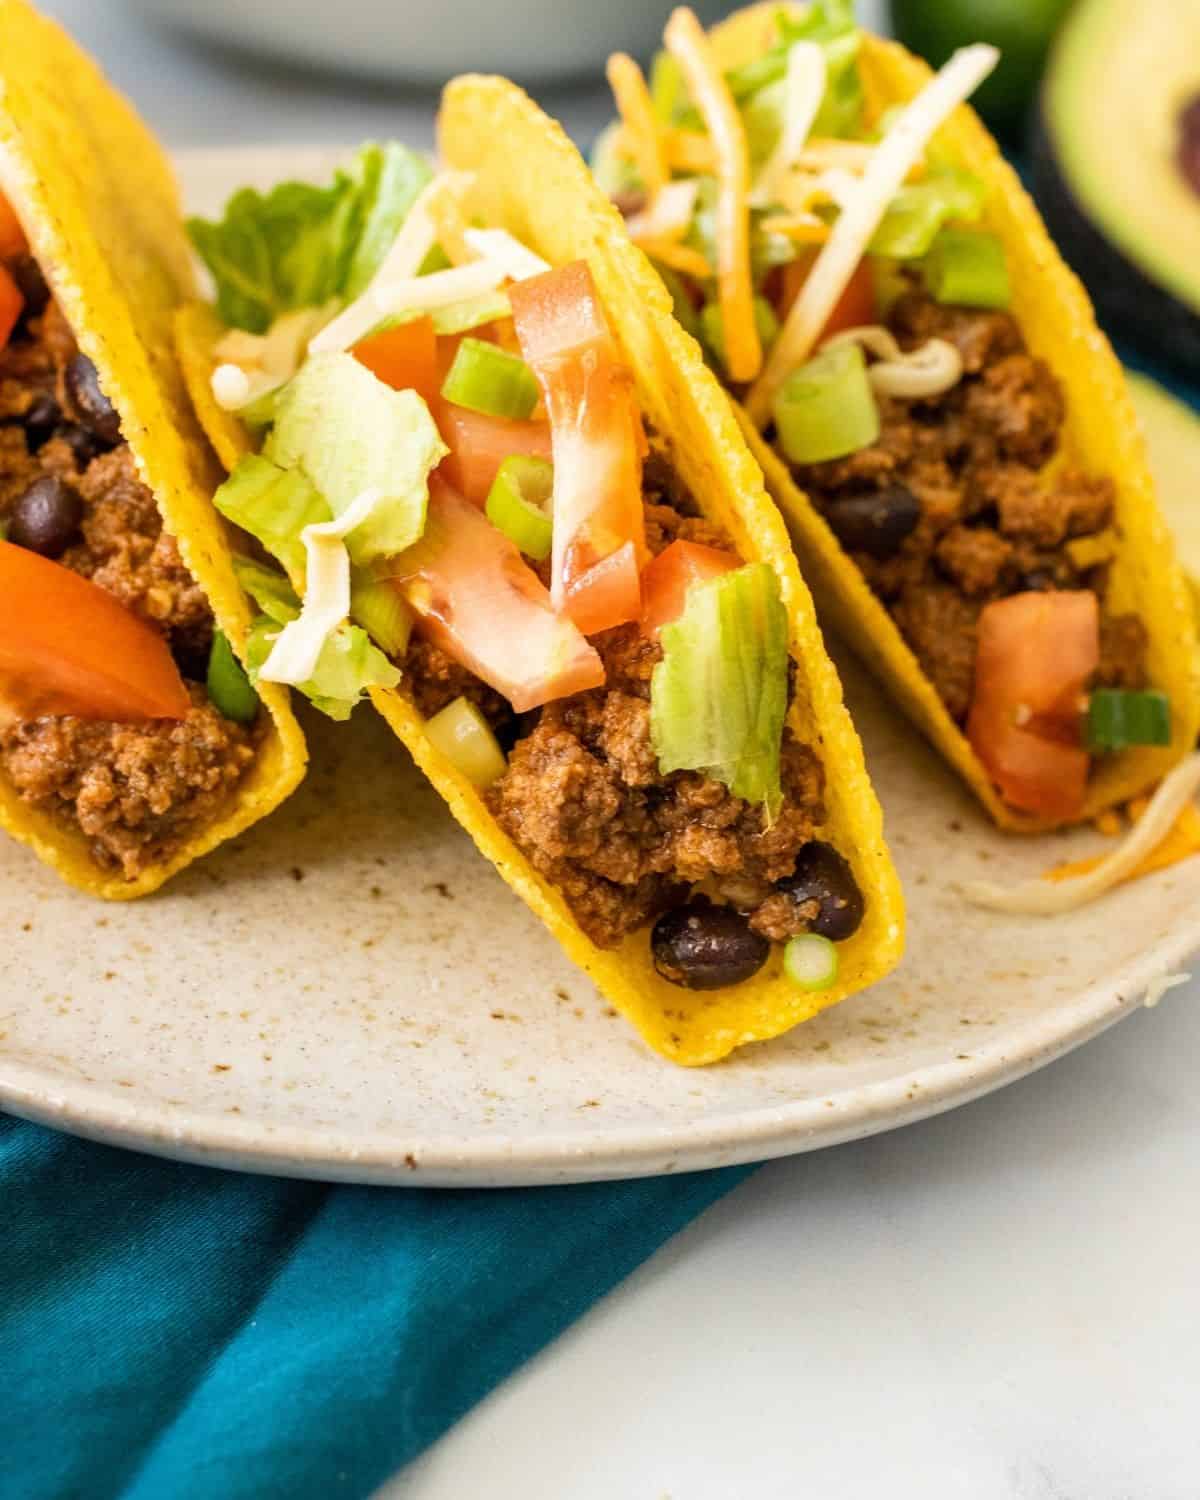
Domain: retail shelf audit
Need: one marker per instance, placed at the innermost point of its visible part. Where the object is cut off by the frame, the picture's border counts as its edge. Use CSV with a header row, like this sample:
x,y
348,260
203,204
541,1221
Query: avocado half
x,y
1113,127
1172,432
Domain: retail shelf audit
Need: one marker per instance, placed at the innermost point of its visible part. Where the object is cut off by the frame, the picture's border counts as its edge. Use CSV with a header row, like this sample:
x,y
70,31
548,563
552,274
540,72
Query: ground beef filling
x,y
583,796
136,791
971,517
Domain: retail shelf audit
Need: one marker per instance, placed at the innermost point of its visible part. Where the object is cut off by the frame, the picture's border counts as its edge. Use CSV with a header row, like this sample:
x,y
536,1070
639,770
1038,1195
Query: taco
x,y
941,422
130,739
505,497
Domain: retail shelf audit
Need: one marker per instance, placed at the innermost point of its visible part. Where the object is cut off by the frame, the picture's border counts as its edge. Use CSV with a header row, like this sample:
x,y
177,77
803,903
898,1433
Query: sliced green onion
x,y
1117,718
713,328
489,379
518,503
826,409
228,686
465,738
376,605
811,961
967,267
457,317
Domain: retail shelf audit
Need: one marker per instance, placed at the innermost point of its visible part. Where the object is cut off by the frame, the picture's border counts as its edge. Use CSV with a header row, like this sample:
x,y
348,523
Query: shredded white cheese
x,y
804,88
518,260
254,363
230,387
890,164
415,294
294,655
929,370
1043,898
670,213
1158,987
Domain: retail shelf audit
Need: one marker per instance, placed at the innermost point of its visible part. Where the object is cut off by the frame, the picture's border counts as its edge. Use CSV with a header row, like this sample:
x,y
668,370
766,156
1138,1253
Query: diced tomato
x,y
68,647
666,581
597,505
855,307
1035,654
479,444
11,303
12,236
404,357
478,600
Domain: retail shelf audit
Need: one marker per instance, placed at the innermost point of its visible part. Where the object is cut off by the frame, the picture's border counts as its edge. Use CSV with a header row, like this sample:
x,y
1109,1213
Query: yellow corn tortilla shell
x,y
532,182
1101,434
99,206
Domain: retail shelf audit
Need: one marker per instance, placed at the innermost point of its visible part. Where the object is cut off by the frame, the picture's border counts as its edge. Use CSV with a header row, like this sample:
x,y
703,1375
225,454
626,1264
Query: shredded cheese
x,y
710,93
518,260
681,258
641,135
804,88
689,151
1182,840
668,215
1044,898
805,229
849,156
298,645
230,387
414,294
929,370
890,164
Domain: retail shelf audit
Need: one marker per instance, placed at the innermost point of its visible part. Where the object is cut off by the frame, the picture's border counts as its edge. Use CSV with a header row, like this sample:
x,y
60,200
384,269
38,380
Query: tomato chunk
x,y
479,444
12,236
404,357
854,308
597,506
67,647
1035,654
666,581
11,303
476,598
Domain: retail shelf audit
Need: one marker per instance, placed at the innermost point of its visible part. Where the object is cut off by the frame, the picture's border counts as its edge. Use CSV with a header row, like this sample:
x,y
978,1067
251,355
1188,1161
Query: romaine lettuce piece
x,y
299,245
347,666
270,590
719,695
348,432
274,505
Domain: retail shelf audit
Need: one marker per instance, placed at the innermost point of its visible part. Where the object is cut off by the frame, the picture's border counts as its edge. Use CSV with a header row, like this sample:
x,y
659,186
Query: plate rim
x,y
497,1159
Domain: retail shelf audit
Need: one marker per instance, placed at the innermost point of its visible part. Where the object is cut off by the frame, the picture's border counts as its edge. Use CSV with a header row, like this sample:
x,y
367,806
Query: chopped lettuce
x,y
920,209
299,245
347,666
348,432
719,696
274,505
270,590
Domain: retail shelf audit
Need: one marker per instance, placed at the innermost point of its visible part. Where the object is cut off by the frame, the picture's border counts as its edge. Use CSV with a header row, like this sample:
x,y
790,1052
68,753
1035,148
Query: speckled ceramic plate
x,y
349,991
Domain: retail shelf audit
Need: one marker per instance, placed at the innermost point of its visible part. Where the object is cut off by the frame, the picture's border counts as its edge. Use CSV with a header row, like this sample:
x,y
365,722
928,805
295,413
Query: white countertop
x,y
999,1304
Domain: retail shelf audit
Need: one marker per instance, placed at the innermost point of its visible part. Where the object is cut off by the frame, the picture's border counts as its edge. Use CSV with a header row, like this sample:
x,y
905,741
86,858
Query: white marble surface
x,y
1000,1304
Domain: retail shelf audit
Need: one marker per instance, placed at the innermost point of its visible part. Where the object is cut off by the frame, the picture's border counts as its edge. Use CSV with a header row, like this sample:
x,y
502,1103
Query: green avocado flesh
x,y
1172,431
1106,171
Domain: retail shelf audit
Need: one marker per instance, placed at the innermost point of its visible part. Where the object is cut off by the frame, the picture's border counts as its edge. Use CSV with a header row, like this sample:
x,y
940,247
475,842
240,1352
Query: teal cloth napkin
x,y
179,1333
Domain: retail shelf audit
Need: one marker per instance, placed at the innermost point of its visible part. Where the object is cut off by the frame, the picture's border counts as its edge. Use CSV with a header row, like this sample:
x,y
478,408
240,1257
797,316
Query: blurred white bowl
x,y
421,42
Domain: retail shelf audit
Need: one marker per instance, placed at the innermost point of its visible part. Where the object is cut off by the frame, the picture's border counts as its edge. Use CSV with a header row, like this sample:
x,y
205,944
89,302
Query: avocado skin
x,y
1128,302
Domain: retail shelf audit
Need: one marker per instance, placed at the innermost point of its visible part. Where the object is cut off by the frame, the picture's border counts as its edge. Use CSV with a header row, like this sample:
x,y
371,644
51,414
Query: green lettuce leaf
x,y
270,590
719,696
298,245
347,666
348,432
274,505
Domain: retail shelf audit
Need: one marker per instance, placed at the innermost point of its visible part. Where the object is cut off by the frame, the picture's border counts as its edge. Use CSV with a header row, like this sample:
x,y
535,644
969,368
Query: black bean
x,y
92,406
876,524
45,519
823,876
40,420
31,284
705,947
83,444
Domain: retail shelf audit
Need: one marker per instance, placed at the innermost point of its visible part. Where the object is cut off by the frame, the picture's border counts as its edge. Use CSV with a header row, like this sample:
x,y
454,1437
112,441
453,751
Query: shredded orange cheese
x,y
682,258
1182,839
805,229
690,151
710,93
640,135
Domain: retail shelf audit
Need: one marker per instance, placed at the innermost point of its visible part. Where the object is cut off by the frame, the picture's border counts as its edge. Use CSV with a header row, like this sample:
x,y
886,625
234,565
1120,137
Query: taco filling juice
x,y
451,472
123,713
833,264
